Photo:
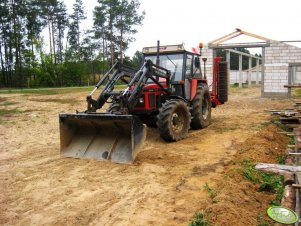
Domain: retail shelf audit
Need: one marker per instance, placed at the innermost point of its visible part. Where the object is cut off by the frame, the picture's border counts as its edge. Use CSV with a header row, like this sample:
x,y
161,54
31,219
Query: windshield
x,y
172,62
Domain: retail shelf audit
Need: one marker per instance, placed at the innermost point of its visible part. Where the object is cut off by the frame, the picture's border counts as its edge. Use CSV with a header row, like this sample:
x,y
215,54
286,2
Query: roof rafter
x,y
234,34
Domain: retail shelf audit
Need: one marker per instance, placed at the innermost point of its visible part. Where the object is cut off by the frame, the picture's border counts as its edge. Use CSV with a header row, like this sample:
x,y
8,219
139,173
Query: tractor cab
x,y
181,63
184,67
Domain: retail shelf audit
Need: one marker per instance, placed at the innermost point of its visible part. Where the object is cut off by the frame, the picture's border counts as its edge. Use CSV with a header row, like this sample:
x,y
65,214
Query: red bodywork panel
x,y
150,90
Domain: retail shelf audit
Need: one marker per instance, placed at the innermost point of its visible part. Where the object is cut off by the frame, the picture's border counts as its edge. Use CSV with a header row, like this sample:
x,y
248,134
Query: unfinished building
x,y
279,66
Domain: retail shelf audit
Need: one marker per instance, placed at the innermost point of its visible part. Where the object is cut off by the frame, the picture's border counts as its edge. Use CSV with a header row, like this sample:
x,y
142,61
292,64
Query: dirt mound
x,y
237,200
266,146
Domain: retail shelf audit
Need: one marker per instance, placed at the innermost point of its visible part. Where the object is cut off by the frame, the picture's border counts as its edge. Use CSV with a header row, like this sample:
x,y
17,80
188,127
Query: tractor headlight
x,y
141,100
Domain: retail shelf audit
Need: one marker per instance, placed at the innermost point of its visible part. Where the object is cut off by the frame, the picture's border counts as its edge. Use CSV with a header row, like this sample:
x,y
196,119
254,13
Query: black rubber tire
x,y
173,120
113,108
222,87
201,108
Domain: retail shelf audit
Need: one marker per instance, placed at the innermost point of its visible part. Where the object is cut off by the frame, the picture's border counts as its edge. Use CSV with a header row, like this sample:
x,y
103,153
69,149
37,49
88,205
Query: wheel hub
x,y
177,121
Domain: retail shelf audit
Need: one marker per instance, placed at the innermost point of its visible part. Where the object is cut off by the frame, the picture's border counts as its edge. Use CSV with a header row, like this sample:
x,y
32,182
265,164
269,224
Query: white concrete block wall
x,y
277,58
234,76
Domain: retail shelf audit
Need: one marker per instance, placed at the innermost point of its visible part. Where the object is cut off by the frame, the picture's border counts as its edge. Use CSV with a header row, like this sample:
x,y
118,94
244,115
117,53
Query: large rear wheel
x,y
173,120
201,108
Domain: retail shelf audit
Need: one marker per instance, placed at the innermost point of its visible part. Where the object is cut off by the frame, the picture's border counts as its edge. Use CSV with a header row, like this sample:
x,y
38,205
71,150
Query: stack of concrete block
x,y
278,56
207,53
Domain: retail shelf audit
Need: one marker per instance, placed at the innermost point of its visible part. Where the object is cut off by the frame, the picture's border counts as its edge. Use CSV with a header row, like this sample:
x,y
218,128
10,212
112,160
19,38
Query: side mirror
x,y
197,62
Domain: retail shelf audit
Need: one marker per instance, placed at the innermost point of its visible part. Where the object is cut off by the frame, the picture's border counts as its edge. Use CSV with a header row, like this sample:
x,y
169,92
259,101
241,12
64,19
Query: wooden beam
x,y
295,154
254,36
277,168
296,185
245,54
228,38
223,37
240,45
292,86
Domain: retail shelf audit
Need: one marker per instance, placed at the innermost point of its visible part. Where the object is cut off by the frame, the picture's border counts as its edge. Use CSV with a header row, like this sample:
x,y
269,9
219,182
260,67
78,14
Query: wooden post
x,y
240,71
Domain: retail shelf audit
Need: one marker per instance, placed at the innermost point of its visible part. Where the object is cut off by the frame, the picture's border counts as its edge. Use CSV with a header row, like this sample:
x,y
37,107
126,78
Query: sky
x,y
194,21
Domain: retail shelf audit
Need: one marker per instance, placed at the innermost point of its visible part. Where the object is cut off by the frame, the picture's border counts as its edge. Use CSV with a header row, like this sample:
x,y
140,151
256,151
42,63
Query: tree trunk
x,y
60,46
32,52
50,39
2,65
121,46
10,62
112,45
78,46
53,41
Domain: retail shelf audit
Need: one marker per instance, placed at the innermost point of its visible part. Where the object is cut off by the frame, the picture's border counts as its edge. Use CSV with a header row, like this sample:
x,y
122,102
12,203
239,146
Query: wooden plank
x,y
227,38
278,168
279,110
293,126
287,133
292,86
296,185
255,36
223,37
294,154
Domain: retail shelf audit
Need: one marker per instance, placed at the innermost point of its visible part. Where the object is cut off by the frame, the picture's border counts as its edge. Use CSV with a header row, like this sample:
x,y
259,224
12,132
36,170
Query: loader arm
x,y
118,71
147,71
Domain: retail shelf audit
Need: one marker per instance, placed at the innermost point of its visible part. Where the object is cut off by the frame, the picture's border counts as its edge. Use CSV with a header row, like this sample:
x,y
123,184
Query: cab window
x,y
189,65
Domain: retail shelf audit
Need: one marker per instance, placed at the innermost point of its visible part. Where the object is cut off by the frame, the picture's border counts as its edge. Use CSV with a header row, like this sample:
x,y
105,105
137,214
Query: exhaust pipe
x,y
101,136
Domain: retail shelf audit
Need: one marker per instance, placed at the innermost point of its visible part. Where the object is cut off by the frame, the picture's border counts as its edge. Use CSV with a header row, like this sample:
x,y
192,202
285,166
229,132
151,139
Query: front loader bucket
x,y
110,137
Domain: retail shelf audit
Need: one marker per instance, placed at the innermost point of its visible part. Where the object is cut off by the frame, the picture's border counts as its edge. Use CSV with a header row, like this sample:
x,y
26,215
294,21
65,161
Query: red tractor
x,y
169,92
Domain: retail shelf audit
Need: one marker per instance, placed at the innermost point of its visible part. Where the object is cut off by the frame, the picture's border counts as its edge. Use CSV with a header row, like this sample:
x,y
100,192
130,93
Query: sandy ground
x,y
165,186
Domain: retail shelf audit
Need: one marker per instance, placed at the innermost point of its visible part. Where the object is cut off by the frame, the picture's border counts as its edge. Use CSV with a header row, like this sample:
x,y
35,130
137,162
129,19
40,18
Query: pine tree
x,y
127,18
61,22
74,28
117,19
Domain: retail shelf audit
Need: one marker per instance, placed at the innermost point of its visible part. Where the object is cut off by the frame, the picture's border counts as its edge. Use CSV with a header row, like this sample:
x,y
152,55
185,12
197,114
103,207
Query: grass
x,y
2,99
226,128
268,182
296,93
199,220
281,159
212,192
52,91
7,103
60,101
261,220
7,112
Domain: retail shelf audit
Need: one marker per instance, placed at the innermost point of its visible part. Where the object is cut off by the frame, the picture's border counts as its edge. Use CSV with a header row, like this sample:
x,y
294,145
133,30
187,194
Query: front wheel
x,y
173,120
114,108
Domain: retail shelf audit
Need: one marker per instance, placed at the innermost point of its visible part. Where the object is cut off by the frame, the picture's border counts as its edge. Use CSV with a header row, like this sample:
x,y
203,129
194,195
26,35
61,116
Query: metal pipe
x,y
158,53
